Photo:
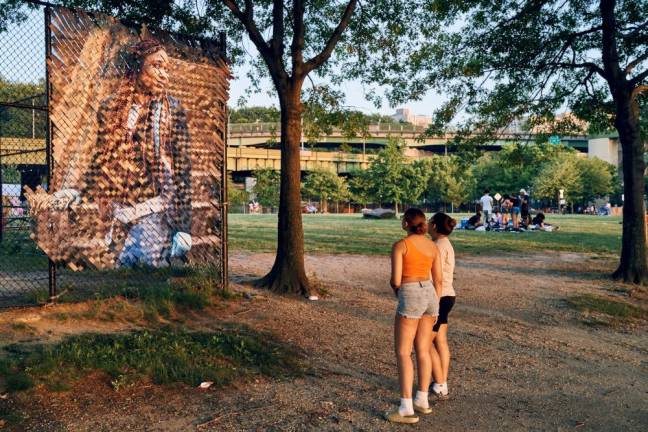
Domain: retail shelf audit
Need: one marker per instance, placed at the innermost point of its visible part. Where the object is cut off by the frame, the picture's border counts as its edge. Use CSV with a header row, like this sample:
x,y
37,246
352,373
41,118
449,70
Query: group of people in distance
x,y
512,214
422,271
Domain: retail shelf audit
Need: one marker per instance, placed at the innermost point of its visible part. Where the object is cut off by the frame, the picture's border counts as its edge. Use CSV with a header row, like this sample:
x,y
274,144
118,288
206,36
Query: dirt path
x,y
522,359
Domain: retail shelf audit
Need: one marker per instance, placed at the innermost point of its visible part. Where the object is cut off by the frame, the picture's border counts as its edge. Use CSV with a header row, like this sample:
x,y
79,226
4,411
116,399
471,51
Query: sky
x,y
352,89
22,58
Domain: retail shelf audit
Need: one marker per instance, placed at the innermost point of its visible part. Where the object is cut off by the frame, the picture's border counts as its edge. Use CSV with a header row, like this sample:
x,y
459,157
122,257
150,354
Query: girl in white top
x,y
439,228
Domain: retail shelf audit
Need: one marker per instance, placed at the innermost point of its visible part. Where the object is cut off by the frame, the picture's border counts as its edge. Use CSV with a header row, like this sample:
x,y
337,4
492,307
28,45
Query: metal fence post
x,y
225,204
51,273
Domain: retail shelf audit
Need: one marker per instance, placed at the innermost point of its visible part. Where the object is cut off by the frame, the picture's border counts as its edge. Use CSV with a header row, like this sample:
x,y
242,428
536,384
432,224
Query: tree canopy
x,y
498,61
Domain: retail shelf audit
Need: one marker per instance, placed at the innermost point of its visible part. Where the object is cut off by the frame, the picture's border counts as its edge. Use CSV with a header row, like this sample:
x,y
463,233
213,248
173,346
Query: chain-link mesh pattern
x,y
136,156
23,157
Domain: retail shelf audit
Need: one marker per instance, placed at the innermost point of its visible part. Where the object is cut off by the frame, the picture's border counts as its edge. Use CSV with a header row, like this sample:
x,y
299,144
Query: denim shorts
x,y
416,299
515,210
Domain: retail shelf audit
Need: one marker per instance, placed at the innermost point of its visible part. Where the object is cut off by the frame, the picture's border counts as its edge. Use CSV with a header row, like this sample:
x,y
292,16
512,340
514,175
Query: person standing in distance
x,y
487,207
525,214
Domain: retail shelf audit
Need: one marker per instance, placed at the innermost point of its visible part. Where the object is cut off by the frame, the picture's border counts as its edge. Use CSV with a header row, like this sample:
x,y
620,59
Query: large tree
x,y
293,39
499,60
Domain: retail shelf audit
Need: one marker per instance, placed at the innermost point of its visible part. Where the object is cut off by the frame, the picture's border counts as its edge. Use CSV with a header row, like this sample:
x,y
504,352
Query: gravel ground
x,y
522,359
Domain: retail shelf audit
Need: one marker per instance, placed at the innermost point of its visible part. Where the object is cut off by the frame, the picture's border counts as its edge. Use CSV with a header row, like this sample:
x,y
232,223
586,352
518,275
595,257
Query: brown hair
x,y
135,54
415,219
118,172
444,223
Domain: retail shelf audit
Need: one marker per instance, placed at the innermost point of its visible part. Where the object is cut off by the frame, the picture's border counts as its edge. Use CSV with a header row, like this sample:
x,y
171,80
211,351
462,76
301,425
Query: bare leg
x,y
437,369
516,222
423,343
441,343
404,334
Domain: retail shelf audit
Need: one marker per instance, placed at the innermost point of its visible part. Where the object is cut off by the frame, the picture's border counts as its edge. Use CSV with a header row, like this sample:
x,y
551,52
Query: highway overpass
x,y
255,145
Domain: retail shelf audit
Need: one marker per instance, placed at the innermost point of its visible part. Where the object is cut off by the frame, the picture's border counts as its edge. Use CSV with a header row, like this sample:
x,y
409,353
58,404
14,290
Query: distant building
x,y
606,148
406,115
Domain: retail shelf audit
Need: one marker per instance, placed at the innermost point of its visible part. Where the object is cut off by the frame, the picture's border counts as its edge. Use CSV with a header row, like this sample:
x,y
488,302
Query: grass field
x,y
354,235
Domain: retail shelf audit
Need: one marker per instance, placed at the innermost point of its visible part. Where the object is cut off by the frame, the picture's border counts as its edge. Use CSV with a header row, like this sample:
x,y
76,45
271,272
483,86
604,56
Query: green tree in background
x,y
254,114
447,181
514,167
266,187
385,174
414,182
497,61
235,195
597,178
324,185
360,187
561,173
390,178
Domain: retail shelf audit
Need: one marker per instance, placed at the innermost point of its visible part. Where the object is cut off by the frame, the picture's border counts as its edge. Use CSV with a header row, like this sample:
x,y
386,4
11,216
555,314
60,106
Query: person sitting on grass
x,y
498,219
440,227
474,221
538,223
506,210
413,260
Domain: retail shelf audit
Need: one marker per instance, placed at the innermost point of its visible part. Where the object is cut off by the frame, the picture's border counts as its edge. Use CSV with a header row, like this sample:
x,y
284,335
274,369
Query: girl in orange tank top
x,y
415,259
415,263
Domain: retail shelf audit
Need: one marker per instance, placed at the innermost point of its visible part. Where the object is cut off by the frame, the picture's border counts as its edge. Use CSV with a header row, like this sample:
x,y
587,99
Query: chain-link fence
x,y
24,274
112,157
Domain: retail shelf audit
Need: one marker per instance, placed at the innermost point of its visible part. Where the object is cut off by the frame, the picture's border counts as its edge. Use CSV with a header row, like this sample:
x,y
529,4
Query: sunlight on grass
x,y
164,356
616,309
354,235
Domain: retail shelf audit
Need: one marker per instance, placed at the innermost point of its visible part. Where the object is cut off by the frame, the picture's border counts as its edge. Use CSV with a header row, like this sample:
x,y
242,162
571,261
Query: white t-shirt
x,y
447,265
487,203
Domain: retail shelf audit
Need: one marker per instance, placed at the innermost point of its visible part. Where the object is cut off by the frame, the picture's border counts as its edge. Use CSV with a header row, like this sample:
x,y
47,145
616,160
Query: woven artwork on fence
x,y
138,122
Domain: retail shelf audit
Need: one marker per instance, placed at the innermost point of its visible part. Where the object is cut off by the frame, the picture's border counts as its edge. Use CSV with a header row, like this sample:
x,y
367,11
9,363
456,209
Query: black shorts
x,y
445,306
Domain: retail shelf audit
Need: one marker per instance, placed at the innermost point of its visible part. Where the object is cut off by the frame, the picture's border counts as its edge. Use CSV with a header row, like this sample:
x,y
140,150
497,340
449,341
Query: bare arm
x,y
437,272
397,266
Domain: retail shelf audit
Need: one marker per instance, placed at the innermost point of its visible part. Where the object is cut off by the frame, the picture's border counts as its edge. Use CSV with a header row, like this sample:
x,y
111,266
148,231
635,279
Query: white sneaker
x,y
440,390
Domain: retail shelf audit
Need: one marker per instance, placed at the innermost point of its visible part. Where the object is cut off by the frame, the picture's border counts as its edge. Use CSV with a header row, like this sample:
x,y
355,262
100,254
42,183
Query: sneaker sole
x,y
396,418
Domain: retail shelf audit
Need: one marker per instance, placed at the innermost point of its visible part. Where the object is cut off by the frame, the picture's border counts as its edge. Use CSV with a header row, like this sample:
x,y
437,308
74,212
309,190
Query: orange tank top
x,y
415,263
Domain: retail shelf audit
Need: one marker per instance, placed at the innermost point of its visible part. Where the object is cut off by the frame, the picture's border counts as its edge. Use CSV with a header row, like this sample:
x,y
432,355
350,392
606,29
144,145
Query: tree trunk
x,y
288,274
633,267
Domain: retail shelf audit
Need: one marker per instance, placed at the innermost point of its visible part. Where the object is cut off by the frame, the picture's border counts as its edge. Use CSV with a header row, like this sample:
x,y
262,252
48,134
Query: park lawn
x,y
352,234
19,253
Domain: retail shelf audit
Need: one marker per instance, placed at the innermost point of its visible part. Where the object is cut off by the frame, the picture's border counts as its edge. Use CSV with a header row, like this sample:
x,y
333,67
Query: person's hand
x,y
181,244
125,215
63,199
